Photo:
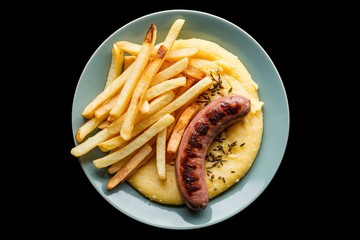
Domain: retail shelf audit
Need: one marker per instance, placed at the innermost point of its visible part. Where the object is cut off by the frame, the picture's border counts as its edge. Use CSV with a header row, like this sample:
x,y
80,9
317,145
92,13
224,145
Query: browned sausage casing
x,y
196,140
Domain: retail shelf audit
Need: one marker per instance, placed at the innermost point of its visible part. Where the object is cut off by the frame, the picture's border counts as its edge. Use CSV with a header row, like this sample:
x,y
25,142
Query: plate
x,y
276,120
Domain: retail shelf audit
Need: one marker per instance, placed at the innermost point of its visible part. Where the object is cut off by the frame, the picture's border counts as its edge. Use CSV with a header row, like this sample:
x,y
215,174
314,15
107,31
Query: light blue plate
x,y
271,92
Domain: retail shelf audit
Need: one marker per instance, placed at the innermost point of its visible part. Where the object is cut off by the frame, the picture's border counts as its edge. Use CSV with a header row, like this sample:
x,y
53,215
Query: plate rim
x,y
287,127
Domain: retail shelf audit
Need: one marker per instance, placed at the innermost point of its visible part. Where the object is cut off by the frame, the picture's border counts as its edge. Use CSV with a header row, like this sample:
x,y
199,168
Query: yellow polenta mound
x,y
232,153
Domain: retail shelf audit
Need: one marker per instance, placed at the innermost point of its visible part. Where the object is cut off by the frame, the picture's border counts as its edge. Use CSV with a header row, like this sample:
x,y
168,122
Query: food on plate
x,y
181,122
195,143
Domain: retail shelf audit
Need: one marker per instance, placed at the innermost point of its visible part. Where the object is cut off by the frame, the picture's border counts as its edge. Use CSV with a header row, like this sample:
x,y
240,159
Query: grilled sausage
x,y
196,140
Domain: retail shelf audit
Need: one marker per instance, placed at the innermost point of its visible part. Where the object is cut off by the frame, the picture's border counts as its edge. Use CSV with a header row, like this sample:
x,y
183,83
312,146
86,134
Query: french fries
x,y
129,166
138,95
117,166
117,58
106,94
104,124
129,47
171,71
138,67
180,127
128,60
88,127
164,86
103,110
161,154
114,128
190,95
90,143
123,152
145,107
147,101
194,72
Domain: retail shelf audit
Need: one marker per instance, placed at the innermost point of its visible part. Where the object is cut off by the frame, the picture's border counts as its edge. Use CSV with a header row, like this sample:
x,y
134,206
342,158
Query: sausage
x,y
196,140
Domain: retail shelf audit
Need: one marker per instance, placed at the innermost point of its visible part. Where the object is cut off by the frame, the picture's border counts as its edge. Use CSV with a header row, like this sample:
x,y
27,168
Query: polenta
x,y
234,150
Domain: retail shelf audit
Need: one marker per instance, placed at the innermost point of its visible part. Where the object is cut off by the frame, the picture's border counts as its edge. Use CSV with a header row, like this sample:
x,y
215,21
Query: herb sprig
x,y
215,89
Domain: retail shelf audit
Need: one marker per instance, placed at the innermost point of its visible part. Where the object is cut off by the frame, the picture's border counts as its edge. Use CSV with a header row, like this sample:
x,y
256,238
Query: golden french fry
x,y
128,60
139,93
157,103
180,53
90,143
111,118
173,34
106,94
136,166
171,71
180,126
194,72
165,65
145,107
164,86
129,47
117,57
121,175
104,125
116,166
104,109
88,127
137,70
189,83
161,154
135,144
170,129
111,143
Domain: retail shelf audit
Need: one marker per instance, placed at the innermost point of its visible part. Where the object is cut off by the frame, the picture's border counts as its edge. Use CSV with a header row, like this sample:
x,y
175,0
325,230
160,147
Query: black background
x,y
45,188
